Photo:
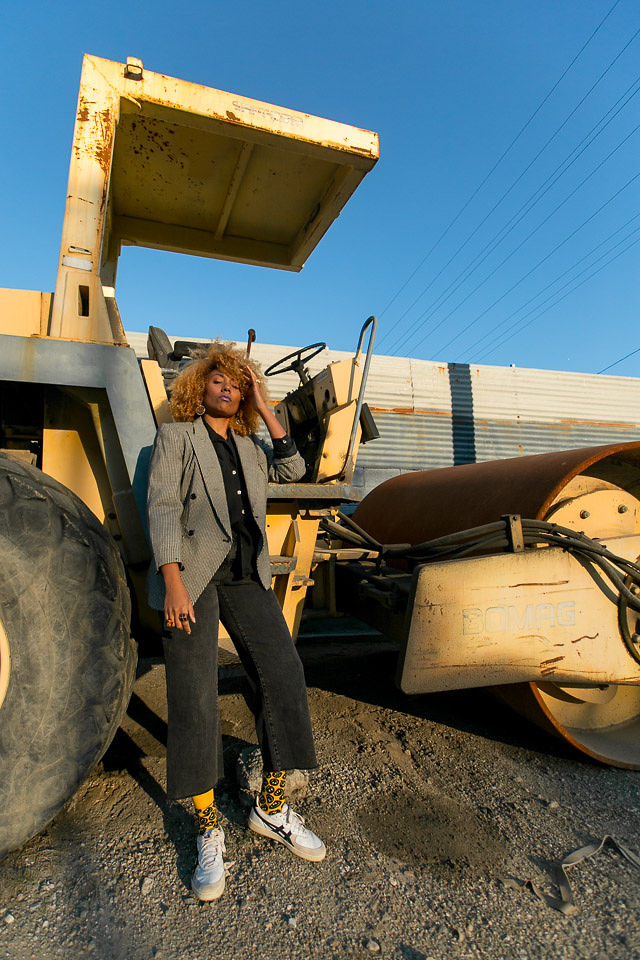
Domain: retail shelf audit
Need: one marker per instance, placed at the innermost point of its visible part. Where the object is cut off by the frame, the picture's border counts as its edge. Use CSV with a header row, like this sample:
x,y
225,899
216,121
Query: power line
x,y
564,297
531,202
505,195
529,272
586,256
498,340
626,357
528,237
501,158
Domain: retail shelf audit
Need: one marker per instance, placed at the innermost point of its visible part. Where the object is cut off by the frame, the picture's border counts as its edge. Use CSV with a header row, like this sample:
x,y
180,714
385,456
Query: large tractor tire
x,y
67,660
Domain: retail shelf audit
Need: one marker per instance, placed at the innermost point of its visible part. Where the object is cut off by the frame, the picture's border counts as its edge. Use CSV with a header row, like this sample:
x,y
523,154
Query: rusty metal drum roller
x,y
595,490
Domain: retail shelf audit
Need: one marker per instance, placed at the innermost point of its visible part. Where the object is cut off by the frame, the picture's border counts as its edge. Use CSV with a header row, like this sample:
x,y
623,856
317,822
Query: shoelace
x,y
212,848
295,822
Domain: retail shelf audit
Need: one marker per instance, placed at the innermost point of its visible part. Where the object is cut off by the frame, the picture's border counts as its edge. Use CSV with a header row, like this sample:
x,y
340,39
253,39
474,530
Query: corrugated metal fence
x,y
438,415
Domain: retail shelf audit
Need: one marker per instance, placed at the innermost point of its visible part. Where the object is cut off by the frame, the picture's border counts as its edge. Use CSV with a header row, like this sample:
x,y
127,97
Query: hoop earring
x,y
200,410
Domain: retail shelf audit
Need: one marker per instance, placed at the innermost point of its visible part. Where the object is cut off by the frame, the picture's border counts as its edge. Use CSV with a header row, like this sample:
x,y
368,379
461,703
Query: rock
x,y
292,923
249,775
509,883
9,918
553,805
373,946
146,886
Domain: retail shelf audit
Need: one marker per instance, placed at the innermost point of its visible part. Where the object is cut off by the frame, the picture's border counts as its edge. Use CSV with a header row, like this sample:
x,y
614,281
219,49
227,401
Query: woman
x,y
206,508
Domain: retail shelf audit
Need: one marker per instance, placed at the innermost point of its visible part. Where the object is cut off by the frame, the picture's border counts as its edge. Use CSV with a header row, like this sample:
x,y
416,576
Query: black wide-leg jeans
x,y
278,692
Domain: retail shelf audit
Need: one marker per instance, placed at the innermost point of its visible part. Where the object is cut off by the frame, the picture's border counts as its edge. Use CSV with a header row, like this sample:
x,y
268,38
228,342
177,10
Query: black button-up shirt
x,y
240,563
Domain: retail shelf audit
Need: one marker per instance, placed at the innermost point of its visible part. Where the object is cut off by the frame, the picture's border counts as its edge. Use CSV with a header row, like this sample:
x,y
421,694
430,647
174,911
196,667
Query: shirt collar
x,y
216,437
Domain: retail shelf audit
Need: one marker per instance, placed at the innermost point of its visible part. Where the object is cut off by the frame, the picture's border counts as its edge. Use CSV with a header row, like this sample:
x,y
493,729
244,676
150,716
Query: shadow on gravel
x,y
405,952
370,679
125,754
435,830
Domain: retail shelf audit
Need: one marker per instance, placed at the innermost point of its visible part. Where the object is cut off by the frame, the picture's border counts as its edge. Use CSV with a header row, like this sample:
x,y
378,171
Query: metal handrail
x,y
372,322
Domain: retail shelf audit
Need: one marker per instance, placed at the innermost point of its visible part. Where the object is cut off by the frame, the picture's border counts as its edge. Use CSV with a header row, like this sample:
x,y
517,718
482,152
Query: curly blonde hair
x,y
188,388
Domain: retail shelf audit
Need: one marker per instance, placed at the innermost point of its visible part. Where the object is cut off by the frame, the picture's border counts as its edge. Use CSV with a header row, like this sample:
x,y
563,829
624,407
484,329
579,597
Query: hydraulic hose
x,y
623,574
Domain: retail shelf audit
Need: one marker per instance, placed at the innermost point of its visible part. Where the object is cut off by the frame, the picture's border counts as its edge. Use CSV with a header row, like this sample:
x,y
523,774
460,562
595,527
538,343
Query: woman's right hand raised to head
x,y
178,609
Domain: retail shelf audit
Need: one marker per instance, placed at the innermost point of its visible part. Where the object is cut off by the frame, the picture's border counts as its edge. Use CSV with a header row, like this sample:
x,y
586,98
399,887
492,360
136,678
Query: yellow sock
x,y
206,810
271,797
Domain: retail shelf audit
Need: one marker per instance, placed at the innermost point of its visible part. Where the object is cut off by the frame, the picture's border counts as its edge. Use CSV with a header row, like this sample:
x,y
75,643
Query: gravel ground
x,y
437,812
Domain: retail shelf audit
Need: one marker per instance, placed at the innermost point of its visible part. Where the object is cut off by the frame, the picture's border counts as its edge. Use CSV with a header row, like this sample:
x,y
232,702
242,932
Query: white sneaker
x,y
288,828
208,879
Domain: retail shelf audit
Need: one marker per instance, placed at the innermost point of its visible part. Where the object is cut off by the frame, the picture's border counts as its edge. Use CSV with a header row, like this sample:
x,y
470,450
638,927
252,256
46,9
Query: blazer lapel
x,y
211,472
250,469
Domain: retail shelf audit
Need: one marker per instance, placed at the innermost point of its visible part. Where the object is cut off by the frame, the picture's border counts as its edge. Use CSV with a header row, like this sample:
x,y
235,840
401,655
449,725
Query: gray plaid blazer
x,y
187,505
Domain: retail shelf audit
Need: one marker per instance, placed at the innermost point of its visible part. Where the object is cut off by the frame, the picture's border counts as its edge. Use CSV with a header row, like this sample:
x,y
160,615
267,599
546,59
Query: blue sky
x,y
448,86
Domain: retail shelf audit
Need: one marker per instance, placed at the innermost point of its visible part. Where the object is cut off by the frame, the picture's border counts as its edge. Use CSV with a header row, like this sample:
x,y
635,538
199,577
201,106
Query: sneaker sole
x,y
210,892
304,852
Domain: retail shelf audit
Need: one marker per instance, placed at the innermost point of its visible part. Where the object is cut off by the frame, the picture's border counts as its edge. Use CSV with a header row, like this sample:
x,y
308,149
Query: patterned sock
x,y
271,797
206,810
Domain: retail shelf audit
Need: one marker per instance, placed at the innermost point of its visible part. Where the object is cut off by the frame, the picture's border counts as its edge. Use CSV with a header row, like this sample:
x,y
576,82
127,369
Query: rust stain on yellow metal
x,y
101,132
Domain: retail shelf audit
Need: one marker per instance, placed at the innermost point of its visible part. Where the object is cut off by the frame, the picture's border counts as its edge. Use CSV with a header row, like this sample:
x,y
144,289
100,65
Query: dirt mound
x,y
434,830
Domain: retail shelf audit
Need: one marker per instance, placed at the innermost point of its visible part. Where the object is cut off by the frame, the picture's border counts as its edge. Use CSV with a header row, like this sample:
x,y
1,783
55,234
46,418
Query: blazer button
x,y
191,532
193,496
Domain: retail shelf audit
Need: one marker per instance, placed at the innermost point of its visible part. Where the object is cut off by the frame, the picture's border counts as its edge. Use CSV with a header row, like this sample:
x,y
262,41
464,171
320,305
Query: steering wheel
x,y
298,358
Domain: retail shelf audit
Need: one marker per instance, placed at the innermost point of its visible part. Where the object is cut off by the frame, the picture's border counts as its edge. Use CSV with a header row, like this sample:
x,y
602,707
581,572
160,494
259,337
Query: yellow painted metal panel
x,y
164,151
337,426
300,532
71,454
156,390
536,615
171,165
24,313
289,534
64,458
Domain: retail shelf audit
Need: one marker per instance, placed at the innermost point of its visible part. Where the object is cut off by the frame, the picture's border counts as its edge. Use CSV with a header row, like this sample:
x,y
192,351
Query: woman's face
x,y
222,395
